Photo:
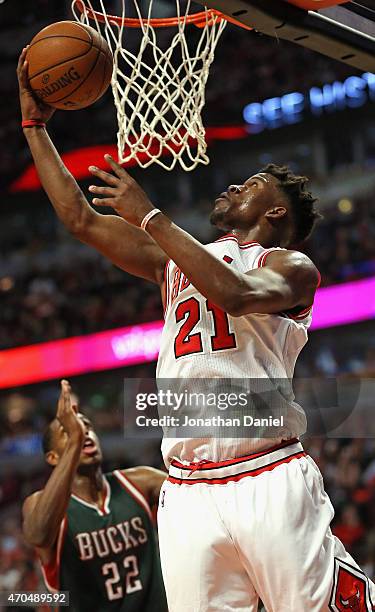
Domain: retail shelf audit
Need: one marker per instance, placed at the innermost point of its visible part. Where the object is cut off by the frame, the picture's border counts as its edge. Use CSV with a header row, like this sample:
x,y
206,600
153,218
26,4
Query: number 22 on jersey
x,y
115,590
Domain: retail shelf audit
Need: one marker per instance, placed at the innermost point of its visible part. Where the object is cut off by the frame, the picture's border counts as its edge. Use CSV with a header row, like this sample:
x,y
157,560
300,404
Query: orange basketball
x,y
70,65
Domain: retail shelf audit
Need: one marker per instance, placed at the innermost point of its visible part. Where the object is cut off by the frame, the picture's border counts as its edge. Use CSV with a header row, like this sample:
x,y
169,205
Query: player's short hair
x,y
47,438
305,214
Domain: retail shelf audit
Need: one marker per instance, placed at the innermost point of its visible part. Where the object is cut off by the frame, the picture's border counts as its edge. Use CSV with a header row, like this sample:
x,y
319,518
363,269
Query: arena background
x,y
52,287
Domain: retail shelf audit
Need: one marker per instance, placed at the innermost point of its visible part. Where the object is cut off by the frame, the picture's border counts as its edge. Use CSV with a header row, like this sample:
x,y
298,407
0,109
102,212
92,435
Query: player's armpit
x,y
148,480
288,280
128,247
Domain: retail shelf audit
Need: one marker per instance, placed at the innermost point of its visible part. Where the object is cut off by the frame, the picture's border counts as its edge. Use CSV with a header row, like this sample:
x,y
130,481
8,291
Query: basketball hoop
x,y
159,93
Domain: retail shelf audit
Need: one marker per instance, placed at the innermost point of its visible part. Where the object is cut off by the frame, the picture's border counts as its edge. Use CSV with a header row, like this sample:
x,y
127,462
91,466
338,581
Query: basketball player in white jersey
x,y
238,520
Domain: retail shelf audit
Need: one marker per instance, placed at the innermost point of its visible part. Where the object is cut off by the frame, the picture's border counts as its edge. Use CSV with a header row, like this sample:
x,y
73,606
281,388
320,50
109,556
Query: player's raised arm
x,y
126,246
44,511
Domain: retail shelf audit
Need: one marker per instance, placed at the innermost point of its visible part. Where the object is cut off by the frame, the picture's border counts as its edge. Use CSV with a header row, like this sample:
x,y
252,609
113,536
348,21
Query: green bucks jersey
x,y
107,558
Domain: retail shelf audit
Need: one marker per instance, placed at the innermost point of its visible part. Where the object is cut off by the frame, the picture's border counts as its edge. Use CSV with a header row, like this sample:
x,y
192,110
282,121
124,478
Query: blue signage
x,y
28,444
293,107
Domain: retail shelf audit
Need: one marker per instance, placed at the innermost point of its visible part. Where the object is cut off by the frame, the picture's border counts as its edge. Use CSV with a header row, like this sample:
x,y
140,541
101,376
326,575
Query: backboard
x,y
342,30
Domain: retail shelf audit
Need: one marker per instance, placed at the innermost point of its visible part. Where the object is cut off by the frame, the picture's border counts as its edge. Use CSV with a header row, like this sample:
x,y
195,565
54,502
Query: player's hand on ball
x,y
67,415
122,193
31,107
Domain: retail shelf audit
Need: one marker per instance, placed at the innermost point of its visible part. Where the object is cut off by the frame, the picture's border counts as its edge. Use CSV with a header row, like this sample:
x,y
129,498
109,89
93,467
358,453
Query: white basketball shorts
x,y
255,527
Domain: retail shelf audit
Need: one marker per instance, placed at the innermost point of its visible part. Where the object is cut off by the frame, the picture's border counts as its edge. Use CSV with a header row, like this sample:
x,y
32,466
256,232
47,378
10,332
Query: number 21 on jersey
x,y
188,342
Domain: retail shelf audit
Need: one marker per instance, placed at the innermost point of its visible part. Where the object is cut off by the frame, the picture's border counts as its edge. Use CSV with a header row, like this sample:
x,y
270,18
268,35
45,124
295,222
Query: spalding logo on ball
x,y
70,65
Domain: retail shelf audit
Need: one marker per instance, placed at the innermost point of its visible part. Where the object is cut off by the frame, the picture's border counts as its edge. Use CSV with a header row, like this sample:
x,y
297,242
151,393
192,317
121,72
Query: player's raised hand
x,y
31,107
122,193
67,415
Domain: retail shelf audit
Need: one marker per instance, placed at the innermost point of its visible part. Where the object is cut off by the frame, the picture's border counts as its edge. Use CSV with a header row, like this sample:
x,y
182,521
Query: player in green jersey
x,y
94,533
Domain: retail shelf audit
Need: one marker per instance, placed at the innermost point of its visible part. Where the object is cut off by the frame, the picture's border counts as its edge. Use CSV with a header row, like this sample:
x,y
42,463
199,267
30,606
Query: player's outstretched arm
x,y
126,246
289,280
44,511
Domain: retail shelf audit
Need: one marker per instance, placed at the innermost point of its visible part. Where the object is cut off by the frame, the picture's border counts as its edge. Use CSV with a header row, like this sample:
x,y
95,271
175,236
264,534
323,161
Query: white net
x,y
159,83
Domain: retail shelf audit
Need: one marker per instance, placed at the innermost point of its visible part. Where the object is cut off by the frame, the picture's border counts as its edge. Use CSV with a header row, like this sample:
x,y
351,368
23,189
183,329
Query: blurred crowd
x,y
348,468
67,300
343,244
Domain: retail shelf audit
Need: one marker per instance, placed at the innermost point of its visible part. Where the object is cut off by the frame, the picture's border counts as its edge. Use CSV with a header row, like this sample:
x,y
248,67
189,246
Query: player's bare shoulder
x,y
142,475
291,263
147,479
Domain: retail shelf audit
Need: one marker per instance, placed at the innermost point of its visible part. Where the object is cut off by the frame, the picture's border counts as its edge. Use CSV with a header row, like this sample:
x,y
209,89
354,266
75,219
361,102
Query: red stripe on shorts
x,y
211,465
237,477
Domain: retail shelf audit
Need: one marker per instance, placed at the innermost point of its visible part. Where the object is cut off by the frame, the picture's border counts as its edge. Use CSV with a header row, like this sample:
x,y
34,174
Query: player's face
x,y
243,206
91,453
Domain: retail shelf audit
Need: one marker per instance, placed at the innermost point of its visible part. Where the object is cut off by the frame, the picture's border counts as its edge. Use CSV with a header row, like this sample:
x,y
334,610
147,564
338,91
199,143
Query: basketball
x,y
70,65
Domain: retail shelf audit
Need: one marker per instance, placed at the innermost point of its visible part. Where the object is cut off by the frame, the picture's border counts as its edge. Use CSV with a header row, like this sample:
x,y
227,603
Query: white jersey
x,y
201,341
